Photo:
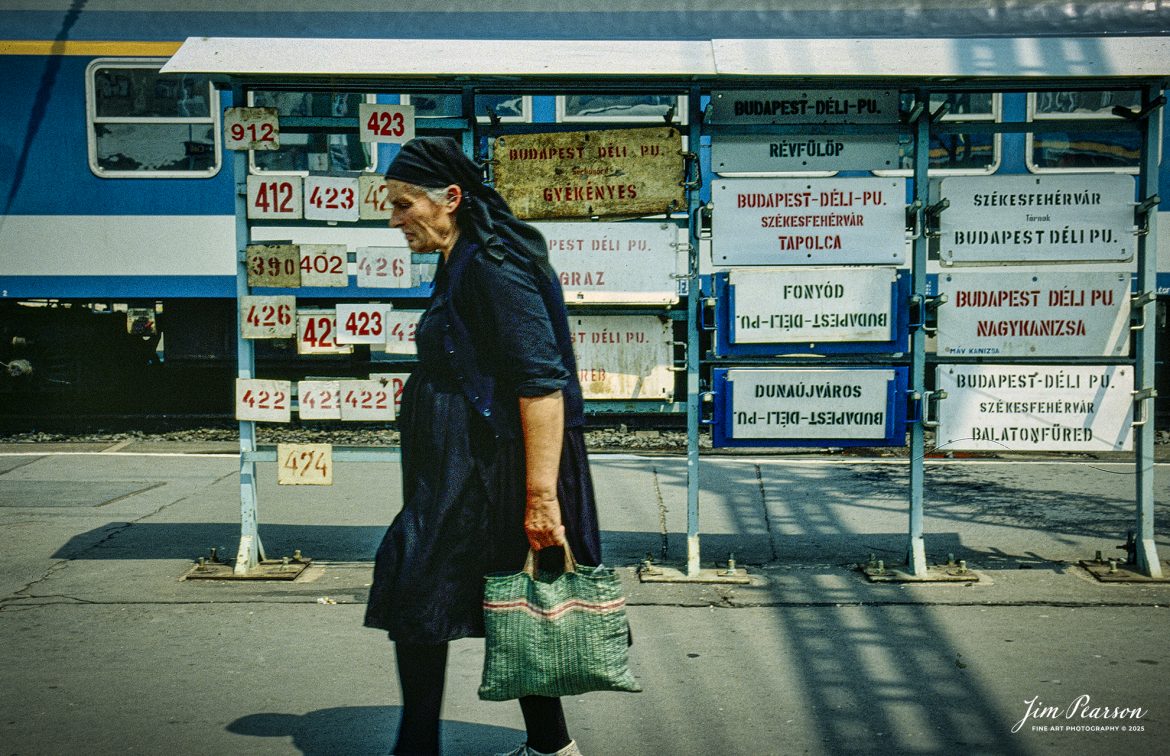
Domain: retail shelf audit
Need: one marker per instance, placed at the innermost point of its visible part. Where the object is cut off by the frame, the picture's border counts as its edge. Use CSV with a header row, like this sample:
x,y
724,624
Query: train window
x,y
616,107
302,153
145,125
962,153
1081,151
514,108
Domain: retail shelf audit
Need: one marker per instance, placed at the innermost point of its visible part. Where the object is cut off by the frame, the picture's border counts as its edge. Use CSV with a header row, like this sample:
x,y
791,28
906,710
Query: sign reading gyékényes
x,y
764,154
579,174
812,305
1045,314
834,221
1035,407
621,263
805,106
1027,219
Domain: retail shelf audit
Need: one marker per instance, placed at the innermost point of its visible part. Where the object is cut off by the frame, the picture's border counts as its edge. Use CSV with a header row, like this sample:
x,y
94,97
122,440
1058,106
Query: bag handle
x,y
530,561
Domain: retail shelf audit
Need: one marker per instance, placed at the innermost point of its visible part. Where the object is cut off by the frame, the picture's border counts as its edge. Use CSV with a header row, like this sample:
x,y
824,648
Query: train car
x,y
116,295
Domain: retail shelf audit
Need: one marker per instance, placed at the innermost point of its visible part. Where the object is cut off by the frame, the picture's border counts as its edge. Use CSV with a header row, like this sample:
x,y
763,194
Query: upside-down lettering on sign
x,y
579,174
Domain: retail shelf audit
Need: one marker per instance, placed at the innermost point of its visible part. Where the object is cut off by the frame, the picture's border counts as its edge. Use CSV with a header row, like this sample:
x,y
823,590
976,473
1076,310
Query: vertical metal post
x,y
250,551
694,223
916,547
1147,253
470,136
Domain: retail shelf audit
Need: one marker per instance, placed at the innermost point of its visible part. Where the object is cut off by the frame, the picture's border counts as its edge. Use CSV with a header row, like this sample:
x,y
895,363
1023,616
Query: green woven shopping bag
x,y
554,635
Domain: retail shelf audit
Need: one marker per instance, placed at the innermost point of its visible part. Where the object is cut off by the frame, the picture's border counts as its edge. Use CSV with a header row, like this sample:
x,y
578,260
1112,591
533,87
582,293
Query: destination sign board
x,y
1035,408
623,356
263,400
777,306
805,106
837,221
1026,219
1016,314
579,174
791,154
615,263
816,406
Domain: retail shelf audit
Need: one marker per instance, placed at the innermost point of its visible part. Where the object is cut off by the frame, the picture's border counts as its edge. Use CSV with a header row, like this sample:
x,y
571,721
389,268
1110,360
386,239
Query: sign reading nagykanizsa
x,y
780,306
809,221
1027,219
1043,314
795,404
1036,407
580,174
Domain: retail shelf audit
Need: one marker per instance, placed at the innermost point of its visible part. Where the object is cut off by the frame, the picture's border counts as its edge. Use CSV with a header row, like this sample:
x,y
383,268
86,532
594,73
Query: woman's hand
x,y
542,521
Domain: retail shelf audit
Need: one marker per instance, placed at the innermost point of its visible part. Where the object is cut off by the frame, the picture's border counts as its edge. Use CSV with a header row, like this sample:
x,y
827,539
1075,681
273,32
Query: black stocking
x,y
421,672
545,721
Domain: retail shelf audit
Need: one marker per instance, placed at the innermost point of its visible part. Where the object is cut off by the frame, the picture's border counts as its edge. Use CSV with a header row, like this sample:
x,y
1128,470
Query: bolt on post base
x,y
286,568
876,571
649,572
1120,571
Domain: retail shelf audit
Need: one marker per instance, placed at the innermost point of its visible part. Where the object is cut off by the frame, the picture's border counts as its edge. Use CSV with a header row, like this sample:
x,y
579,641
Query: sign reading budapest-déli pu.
x,y
805,106
1035,407
1043,314
838,221
1027,219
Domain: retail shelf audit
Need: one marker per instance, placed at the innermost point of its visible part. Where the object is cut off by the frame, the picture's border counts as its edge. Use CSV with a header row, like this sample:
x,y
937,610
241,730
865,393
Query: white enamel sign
x,y
361,323
268,317
317,333
275,197
323,265
793,404
623,357
319,400
263,400
383,267
251,129
374,198
615,263
808,221
304,464
400,328
330,198
385,123
1016,314
805,106
792,154
366,400
1026,219
812,305
395,383
1035,408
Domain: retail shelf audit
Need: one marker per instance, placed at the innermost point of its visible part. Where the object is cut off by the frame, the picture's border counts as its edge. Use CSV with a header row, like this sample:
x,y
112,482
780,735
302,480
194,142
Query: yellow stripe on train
x,y
86,48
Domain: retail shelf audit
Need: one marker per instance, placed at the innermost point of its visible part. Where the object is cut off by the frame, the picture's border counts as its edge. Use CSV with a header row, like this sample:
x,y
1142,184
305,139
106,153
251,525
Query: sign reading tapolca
x,y
809,221
1026,219
1016,314
620,263
579,174
1035,407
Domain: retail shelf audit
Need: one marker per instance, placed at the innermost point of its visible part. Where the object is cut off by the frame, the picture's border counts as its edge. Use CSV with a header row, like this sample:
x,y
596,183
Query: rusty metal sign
x,y
580,174
623,356
274,265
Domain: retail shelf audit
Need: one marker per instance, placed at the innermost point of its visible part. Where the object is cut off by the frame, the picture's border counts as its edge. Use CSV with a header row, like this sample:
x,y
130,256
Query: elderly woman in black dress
x,y
493,455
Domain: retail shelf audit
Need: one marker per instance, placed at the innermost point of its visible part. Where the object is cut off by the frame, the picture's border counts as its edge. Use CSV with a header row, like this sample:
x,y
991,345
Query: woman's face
x,y
427,225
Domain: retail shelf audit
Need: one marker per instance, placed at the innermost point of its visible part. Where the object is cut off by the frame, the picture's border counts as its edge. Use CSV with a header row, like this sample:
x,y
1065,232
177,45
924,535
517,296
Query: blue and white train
x,y
116,193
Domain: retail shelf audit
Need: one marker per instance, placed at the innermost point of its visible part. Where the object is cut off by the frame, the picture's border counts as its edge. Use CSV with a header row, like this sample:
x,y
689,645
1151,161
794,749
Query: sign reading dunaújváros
x,y
778,306
615,263
1035,407
1027,219
805,106
818,404
579,174
809,221
774,154
1044,314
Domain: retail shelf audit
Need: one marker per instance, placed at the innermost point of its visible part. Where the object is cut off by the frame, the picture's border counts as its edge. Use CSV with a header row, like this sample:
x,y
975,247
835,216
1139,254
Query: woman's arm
x,y
542,420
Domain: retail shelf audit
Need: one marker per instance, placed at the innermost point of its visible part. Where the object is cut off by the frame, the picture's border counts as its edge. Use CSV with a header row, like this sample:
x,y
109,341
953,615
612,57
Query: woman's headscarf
x,y
437,162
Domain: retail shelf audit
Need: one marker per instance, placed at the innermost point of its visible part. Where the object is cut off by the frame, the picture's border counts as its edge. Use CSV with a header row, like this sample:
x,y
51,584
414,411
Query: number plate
x,y
317,333
251,129
263,400
329,198
375,198
395,382
270,197
366,400
383,267
400,328
268,317
323,265
319,400
386,123
361,323
273,265
304,464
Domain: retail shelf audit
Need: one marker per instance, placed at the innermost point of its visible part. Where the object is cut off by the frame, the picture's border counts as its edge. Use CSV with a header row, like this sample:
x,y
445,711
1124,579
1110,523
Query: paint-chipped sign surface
x,y
623,357
809,221
1024,219
1013,314
1035,408
764,154
812,305
617,172
816,404
615,263
805,106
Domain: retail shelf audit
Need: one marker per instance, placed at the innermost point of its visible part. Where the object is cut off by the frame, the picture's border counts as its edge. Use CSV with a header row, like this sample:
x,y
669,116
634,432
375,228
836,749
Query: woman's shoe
x,y
523,750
